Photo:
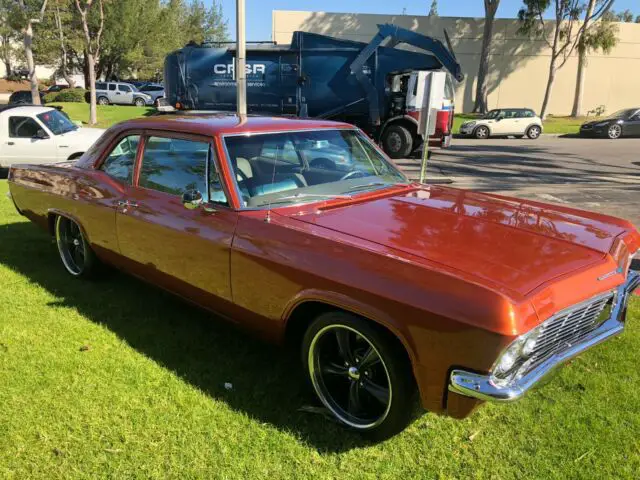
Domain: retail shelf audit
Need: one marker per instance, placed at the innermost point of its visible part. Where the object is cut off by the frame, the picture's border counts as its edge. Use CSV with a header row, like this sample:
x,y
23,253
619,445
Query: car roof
x,y
25,109
224,124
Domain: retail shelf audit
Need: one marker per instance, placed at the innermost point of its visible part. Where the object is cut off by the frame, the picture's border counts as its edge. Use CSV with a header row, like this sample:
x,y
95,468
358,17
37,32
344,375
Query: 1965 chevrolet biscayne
x,y
304,232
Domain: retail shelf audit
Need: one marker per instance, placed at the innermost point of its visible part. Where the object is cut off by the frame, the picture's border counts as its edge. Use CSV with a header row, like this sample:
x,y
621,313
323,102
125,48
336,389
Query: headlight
x,y
468,124
515,356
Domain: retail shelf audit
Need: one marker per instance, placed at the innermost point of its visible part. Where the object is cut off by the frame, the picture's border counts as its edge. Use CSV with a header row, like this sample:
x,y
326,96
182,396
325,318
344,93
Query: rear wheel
x,y
533,132
76,254
103,101
397,141
360,374
481,132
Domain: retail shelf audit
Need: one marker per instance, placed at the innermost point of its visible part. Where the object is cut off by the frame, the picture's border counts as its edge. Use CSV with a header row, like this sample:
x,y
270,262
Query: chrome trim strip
x,y
483,387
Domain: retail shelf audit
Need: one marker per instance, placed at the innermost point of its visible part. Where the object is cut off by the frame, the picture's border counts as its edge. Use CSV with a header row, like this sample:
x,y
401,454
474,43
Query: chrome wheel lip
x,y
63,249
318,383
614,131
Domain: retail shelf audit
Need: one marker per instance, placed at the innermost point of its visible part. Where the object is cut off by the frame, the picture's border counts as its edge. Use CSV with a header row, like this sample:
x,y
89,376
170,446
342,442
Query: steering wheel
x,y
352,174
245,180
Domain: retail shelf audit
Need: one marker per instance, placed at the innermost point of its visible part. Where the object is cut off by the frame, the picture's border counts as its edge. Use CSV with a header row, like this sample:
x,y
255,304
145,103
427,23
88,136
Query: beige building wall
x,y
518,66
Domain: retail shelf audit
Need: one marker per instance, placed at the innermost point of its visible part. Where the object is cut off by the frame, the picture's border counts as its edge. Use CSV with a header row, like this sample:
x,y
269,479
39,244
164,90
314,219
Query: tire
x,y
614,131
481,132
533,132
138,102
102,101
397,141
75,253
376,401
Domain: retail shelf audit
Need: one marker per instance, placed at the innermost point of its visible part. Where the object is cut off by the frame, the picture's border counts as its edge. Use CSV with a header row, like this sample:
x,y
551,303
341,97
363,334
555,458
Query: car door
x,y
498,125
510,123
632,126
184,250
124,94
113,94
25,140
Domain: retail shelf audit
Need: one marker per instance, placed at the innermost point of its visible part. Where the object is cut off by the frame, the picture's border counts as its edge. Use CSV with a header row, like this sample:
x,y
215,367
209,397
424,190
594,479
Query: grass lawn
x,y
116,379
107,114
559,125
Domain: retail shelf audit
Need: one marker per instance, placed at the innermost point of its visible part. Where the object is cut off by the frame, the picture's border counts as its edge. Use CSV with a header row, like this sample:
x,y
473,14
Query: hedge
x,y
67,95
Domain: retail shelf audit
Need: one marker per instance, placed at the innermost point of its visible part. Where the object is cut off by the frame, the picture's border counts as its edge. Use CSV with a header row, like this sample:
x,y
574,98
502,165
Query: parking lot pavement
x,y
594,174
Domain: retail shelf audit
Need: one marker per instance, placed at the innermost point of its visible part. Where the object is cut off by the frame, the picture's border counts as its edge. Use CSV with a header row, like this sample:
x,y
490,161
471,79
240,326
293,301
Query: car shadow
x,y
266,382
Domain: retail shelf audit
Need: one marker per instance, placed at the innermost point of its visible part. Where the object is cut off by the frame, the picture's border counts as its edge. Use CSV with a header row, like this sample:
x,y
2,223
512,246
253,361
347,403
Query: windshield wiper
x,y
299,196
368,185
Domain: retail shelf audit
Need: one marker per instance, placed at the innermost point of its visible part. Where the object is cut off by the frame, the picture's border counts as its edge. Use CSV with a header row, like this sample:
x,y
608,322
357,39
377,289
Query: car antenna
x,y
267,218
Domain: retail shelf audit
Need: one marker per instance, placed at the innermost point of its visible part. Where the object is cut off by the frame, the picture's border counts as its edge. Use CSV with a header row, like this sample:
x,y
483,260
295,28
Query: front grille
x,y
570,326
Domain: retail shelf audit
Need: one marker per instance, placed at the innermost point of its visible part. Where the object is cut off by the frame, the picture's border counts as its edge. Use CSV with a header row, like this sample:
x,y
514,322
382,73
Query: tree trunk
x,y
28,52
547,93
85,70
482,89
576,111
93,116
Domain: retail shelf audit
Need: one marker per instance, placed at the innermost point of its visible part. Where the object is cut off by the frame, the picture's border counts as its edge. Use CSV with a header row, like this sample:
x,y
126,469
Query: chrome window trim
x,y
272,132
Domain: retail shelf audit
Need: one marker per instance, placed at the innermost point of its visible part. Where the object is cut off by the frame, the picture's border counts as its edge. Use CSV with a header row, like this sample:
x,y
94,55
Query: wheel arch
x,y
304,308
75,155
53,213
532,125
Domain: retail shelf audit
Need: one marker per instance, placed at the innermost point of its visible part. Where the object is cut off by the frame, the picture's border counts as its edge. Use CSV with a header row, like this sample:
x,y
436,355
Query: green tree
x,y
9,36
433,11
562,36
22,16
625,16
598,35
482,89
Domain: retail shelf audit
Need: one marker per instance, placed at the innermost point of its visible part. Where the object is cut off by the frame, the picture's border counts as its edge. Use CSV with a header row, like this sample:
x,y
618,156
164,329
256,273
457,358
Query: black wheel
x,y
103,101
481,132
360,375
614,131
139,102
397,141
76,254
533,132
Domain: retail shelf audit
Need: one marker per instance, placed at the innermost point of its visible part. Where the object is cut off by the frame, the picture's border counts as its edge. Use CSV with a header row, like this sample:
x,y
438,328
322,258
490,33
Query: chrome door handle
x,y
11,143
127,204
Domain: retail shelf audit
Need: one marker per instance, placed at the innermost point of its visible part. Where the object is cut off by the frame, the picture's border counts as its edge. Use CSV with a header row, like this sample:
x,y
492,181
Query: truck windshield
x,y
307,166
57,122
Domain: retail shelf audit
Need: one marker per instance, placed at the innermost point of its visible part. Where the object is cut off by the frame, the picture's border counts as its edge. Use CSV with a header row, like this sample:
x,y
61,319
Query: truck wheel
x,y
397,141
359,374
103,101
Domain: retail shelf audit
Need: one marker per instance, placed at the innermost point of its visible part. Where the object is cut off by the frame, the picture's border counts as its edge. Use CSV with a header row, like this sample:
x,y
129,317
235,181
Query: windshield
x,y
307,166
622,113
57,122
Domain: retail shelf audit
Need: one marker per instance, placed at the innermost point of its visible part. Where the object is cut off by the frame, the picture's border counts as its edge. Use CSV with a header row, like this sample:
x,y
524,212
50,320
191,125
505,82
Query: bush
x,y
69,95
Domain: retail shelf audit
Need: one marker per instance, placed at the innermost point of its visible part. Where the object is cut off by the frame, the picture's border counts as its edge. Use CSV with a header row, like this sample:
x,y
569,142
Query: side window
x,y
176,166
23,127
119,163
124,88
112,87
101,86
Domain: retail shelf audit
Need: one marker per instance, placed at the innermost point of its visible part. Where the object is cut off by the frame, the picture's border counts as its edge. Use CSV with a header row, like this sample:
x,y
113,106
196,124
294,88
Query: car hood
x,y
82,136
511,245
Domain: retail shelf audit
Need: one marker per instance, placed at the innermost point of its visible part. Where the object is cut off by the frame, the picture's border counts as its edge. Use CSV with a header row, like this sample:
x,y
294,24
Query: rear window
x,y
101,86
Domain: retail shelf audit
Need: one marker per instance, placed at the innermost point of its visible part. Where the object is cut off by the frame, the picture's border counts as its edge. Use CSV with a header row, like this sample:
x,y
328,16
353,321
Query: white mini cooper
x,y
516,122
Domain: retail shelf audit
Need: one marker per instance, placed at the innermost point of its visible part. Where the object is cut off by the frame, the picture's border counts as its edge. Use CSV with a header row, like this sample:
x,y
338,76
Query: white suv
x,y
503,122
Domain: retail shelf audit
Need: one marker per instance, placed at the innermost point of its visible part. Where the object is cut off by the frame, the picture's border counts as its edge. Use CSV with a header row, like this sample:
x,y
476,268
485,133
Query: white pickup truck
x,y
36,134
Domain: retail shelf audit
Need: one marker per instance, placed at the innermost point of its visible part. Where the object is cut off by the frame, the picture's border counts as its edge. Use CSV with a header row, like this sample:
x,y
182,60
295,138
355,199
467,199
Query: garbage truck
x,y
386,91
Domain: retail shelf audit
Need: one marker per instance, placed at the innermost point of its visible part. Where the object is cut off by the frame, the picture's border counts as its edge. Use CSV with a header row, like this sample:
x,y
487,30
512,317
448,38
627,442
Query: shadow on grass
x,y
204,351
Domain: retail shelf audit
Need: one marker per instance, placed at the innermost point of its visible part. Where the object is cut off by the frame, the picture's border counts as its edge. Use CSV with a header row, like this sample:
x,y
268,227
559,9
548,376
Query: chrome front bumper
x,y
483,387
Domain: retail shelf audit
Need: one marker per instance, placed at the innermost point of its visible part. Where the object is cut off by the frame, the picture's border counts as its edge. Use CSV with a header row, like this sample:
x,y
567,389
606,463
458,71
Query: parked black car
x,y
24,96
623,123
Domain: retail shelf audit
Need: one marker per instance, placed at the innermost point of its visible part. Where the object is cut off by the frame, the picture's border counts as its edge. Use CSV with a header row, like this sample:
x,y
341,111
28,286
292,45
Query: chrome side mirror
x,y
192,199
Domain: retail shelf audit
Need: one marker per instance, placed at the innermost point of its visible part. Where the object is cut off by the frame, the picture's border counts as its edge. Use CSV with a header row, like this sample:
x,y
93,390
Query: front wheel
x,y
533,132
139,102
481,132
397,141
359,374
76,254
614,132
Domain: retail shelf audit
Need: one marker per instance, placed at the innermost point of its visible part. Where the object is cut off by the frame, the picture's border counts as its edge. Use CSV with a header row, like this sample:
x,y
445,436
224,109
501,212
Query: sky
x,y
259,11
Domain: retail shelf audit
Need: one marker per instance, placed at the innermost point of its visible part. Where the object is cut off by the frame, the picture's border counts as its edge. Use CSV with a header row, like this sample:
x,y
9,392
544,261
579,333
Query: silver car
x,y
119,93
155,90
